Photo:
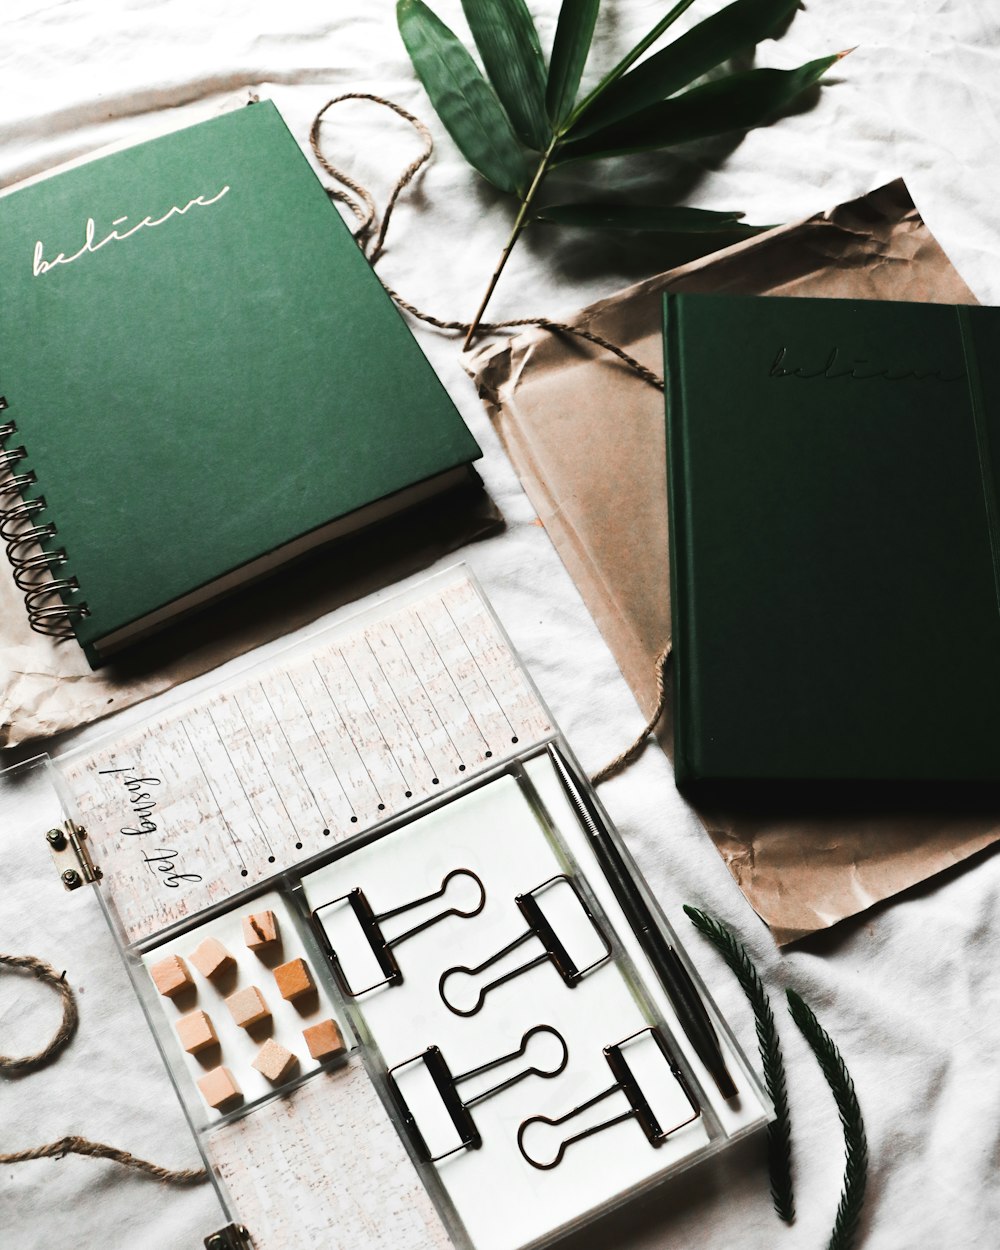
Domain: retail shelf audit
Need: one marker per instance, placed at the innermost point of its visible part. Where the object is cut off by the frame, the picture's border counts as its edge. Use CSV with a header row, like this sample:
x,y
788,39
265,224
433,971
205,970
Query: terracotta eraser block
x,y
294,979
196,1032
274,1061
211,958
219,1087
170,975
324,1039
260,929
248,1006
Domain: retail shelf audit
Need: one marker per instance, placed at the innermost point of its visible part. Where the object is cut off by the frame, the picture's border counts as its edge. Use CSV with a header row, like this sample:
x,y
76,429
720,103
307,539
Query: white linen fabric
x,y
910,990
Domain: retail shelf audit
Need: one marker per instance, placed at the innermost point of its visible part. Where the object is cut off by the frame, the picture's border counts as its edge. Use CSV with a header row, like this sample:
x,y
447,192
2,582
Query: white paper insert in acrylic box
x,y
382,755
502,1201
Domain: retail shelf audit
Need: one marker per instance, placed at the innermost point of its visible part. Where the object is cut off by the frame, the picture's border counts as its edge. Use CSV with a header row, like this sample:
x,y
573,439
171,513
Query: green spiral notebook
x,y
835,551
202,379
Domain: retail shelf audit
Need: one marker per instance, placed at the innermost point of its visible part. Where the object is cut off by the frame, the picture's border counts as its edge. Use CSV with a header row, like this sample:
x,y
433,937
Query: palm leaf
x,y
661,218
463,99
570,49
630,58
710,43
508,43
737,102
494,123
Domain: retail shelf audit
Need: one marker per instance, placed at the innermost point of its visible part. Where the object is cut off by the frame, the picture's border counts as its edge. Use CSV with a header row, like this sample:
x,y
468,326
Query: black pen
x,y
673,975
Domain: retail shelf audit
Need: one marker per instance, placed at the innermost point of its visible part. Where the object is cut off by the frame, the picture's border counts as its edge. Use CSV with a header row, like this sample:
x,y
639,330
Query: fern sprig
x,y
845,1228
779,1133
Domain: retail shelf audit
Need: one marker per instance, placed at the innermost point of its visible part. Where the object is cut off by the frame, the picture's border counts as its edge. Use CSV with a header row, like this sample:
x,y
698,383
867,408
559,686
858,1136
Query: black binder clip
x,y
628,1083
540,927
370,923
446,1084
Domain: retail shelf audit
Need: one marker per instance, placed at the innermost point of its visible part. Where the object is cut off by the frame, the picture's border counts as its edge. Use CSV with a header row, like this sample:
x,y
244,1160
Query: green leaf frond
x,y
521,120
463,99
779,1133
507,40
570,49
845,1228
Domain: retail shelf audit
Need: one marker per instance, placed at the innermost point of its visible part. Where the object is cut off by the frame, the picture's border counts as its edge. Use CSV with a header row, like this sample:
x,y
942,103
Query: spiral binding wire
x,y
25,535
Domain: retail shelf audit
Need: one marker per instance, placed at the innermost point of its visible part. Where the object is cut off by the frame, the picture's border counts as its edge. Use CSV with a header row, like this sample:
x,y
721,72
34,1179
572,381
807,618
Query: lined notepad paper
x,y
261,775
331,1128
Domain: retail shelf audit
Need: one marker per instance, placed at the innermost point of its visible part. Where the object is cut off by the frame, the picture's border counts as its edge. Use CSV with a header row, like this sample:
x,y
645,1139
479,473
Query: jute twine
x,y
44,972
632,753
11,1067
371,234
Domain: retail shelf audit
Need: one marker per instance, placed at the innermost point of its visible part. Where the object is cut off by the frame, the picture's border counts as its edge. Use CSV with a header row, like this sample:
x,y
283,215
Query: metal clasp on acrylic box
x,y
232,1237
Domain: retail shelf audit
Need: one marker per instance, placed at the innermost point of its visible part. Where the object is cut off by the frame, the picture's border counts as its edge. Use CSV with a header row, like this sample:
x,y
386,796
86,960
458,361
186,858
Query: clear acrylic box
x,y
390,790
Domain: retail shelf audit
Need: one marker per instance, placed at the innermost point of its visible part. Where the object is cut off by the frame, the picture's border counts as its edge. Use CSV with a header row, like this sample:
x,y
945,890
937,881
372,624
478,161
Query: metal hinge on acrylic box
x,y
232,1237
383,931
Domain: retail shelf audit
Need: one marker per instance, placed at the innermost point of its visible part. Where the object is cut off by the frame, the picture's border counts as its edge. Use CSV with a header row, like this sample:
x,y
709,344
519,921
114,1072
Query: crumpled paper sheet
x,y
587,438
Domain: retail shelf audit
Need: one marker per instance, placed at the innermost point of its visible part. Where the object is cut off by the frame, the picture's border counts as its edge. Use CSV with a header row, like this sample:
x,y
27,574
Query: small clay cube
x,y
211,958
260,929
294,979
324,1039
171,976
219,1087
196,1032
248,1006
274,1061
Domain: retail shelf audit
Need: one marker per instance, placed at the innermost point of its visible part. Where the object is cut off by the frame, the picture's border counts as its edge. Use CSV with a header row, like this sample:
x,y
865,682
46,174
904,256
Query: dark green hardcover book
x,y
202,380
835,554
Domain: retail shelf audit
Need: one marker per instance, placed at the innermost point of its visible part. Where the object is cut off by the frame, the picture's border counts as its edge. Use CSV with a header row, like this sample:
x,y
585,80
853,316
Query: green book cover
x,y
835,555
204,373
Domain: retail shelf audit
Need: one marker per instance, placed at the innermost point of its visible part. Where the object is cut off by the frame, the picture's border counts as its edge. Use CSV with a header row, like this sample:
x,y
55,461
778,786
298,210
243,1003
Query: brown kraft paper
x,y
586,436
47,686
